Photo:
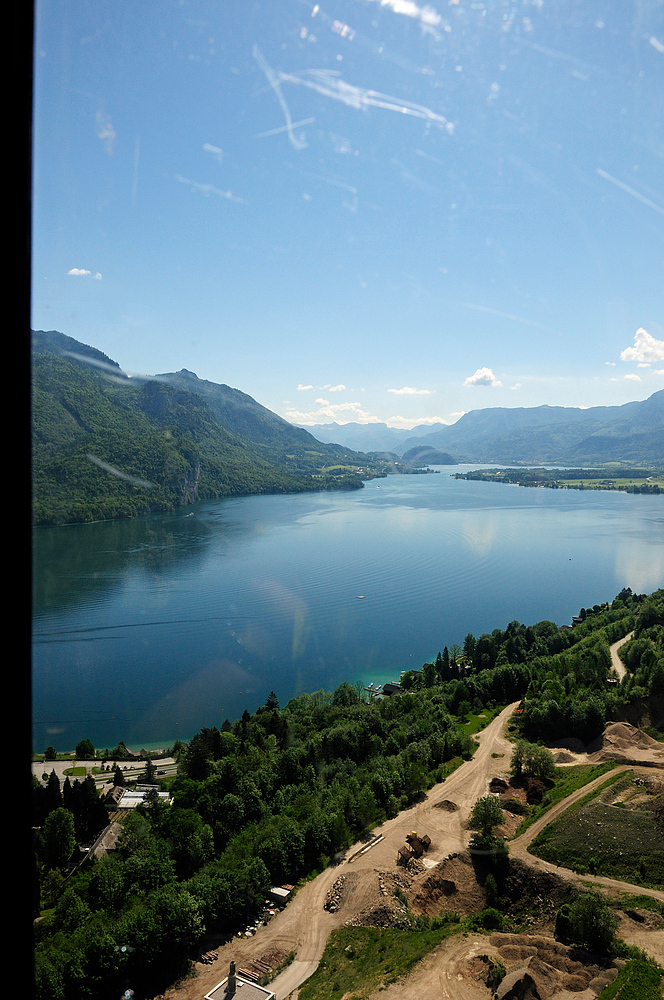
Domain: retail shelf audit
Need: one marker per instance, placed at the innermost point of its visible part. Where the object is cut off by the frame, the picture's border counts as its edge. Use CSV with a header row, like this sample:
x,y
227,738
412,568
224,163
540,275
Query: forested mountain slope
x,y
107,446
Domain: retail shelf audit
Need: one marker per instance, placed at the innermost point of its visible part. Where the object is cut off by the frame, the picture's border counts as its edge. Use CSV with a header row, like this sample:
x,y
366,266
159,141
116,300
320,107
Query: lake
x,y
147,630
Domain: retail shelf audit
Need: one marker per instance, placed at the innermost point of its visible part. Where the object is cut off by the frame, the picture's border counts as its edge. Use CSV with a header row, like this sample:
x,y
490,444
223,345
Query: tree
x,y
150,770
85,750
533,761
272,702
587,921
485,815
59,837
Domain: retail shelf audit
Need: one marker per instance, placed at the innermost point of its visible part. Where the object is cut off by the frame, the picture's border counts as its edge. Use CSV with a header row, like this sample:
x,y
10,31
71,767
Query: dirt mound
x,y
450,887
539,966
623,742
447,805
565,757
572,744
530,889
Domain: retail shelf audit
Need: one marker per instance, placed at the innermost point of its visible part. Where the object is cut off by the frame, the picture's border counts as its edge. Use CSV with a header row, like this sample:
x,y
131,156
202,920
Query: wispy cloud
x,y
409,391
329,84
297,141
630,190
118,474
215,150
207,189
483,376
105,131
632,377
511,316
646,348
304,388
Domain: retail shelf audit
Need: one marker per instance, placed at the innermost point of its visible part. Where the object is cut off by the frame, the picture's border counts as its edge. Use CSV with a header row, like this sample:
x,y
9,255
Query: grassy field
x,y
611,833
357,960
567,780
637,980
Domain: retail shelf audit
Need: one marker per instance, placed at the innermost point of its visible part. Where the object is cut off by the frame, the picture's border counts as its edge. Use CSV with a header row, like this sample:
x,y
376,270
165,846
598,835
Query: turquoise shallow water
x,y
147,630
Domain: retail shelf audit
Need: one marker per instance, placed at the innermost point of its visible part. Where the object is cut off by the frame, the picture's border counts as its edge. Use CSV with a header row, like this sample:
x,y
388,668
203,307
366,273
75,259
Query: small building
x,y
280,894
390,689
239,988
131,798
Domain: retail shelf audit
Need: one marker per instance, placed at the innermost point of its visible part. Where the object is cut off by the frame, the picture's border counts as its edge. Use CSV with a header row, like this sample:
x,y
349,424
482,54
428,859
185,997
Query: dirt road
x,y
304,925
519,846
616,662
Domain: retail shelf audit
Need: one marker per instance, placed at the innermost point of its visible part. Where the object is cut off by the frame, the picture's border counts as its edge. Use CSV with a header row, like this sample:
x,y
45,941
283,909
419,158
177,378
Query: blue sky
x,y
368,210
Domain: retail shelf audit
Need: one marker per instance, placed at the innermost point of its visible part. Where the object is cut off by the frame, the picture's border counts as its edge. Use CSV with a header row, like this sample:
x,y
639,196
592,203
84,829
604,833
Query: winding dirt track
x,y
519,846
616,662
304,925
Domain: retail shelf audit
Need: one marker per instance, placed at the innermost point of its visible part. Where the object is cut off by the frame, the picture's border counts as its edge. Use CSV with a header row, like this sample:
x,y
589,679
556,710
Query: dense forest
x,y
107,446
274,796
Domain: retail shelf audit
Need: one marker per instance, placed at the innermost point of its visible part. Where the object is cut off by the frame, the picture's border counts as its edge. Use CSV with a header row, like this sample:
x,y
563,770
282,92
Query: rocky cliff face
x,y
190,484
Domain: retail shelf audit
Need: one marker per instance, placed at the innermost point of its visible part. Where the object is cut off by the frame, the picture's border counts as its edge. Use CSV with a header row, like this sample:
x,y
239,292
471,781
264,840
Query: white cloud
x,y
343,413
517,385
332,411
334,388
303,388
105,131
426,14
78,272
483,376
658,371
407,423
633,378
408,391
612,363
646,348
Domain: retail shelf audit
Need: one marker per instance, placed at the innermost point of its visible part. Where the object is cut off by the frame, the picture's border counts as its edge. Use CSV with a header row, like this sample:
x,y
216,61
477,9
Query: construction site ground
x,y
360,890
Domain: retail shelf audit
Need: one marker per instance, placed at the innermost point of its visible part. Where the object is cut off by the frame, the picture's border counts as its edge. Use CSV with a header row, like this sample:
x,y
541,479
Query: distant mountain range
x,y
107,446
550,435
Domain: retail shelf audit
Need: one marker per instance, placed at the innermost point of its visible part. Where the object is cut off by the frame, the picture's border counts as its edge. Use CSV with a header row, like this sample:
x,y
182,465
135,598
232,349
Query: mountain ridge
x,y
629,432
105,445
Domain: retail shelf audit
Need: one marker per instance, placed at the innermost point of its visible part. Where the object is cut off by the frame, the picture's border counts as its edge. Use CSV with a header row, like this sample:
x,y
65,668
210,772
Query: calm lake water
x,y
148,630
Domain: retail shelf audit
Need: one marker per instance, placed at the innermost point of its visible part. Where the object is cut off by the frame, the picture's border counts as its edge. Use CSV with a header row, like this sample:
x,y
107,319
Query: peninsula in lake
x,y
109,446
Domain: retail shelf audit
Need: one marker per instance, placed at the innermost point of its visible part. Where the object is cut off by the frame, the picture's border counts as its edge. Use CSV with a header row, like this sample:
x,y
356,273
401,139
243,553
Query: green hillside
x,y
107,446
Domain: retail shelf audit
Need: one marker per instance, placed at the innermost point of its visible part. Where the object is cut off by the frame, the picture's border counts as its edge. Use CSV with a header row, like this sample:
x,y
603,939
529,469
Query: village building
x,y
238,987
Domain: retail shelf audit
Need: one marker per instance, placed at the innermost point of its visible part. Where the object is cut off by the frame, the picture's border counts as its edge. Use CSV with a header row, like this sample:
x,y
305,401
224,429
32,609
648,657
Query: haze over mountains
x,y
106,445
633,432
